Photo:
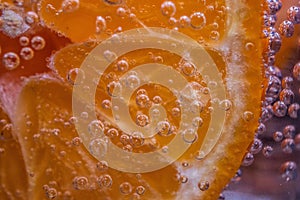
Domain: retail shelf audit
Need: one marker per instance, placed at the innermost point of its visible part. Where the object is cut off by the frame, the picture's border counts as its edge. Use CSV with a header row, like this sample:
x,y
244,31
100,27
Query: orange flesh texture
x,y
46,99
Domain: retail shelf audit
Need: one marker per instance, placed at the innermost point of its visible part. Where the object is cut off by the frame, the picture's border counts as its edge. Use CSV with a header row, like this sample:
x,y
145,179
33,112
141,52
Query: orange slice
x,y
236,57
12,169
187,163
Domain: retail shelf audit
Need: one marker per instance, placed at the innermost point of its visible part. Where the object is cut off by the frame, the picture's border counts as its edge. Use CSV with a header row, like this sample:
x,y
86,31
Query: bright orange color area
x,y
44,137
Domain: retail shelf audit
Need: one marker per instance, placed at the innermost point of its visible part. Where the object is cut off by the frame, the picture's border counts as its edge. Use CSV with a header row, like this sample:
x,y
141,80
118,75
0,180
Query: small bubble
x,y
11,60
106,104
214,35
80,183
137,139
225,104
112,133
163,128
248,116
188,69
142,120
286,28
142,100
289,131
70,5
100,24
113,2
168,8
277,136
114,89
293,110
293,14
121,12
132,81
98,147
189,135
269,20
51,193
183,179
287,96
279,109
140,190
287,82
38,43
122,65
248,159
274,6
288,171
24,41
102,165
26,53
274,41
104,181
237,177
31,17
296,71
184,21
288,145
256,146
198,20
261,128
267,151
76,141
96,128
203,185
125,188
109,55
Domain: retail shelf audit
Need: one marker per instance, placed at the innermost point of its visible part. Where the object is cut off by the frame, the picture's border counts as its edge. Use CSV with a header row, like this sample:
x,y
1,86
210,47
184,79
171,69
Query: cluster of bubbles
x,y
13,24
280,97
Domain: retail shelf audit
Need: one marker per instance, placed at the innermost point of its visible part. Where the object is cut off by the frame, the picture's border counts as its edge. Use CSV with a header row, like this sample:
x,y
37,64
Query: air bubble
x,y
96,128
188,69
225,104
80,183
198,20
288,145
70,5
287,82
10,60
296,71
105,181
113,2
289,131
132,81
267,151
248,116
189,135
76,141
38,43
288,171
203,185
102,165
112,133
51,193
168,8
256,146
237,177
106,104
274,41
122,65
24,41
269,20
277,136
125,188
293,14
184,21
114,89
137,139
293,110
286,28
279,109
274,6
248,159
27,53
140,190
98,147
142,100
100,24
287,96
142,120
163,128
31,18
261,128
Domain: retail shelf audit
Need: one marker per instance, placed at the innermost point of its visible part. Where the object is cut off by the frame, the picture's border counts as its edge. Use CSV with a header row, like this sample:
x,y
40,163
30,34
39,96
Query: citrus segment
x,y
12,169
